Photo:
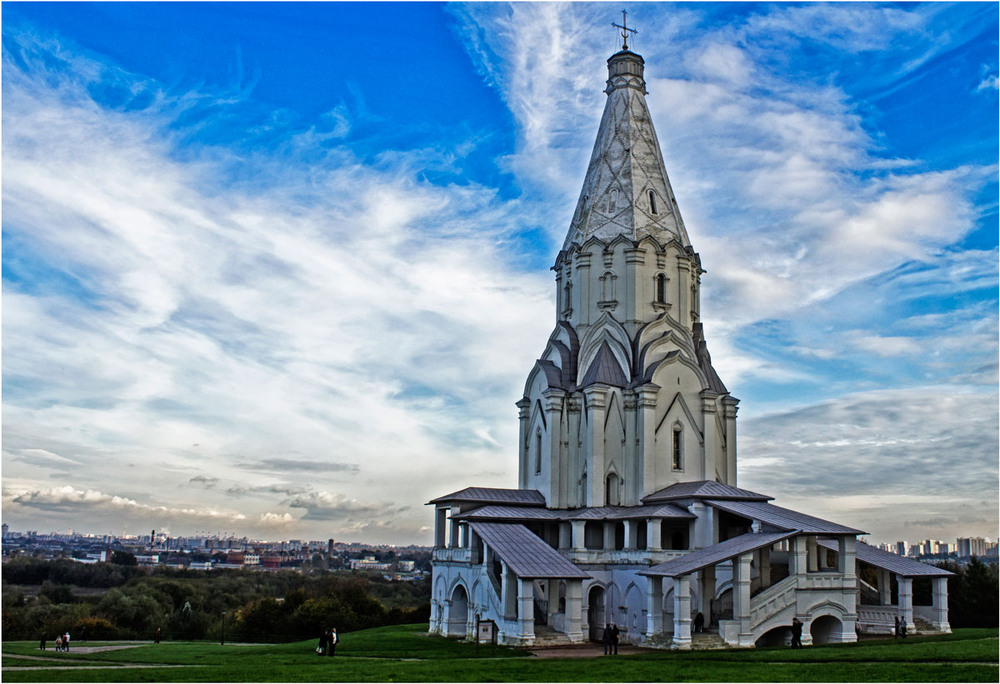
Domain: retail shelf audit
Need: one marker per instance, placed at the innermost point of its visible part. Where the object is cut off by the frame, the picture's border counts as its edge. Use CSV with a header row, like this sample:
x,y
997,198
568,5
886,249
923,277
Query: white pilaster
x,y
682,612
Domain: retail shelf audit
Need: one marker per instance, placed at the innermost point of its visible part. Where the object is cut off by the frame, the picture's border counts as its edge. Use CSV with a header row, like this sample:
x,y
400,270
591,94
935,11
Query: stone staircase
x,y
706,641
545,637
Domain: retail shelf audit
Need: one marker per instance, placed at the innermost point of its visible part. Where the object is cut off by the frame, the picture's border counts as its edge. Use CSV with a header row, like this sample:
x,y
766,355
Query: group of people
x,y
900,630
328,642
62,643
610,639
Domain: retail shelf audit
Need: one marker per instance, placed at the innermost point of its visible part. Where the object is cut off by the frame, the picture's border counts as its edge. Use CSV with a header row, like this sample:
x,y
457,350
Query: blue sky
x,y
281,269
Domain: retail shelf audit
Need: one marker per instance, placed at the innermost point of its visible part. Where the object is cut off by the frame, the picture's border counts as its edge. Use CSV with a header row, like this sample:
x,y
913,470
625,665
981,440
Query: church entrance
x,y
458,613
596,614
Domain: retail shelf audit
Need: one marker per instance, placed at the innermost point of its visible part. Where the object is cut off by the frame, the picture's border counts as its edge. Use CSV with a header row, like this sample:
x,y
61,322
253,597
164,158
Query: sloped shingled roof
x,y
703,489
605,369
520,513
782,518
710,555
900,565
486,495
526,554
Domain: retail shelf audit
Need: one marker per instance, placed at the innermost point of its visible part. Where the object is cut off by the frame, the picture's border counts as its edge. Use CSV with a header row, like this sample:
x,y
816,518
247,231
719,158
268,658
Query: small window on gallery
x,y
676,460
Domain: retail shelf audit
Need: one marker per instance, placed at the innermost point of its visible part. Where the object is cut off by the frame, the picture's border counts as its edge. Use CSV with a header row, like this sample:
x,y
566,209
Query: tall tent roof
x,y
626,191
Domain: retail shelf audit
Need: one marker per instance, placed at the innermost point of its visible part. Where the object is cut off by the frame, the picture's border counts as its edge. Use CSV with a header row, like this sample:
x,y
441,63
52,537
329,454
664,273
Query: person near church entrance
x,y
902,627
332,647
699,623
615,638
895,629
796,633
606,639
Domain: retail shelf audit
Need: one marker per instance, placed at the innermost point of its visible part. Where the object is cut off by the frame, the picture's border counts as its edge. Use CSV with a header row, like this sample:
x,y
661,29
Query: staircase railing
x,y
772,600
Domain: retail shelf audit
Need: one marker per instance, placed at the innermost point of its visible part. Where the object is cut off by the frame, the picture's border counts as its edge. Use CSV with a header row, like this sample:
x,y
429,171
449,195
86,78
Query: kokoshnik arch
x,y
627,509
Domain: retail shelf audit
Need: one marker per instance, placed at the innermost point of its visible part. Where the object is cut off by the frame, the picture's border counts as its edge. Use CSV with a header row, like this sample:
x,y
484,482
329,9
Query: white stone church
x,y
627,509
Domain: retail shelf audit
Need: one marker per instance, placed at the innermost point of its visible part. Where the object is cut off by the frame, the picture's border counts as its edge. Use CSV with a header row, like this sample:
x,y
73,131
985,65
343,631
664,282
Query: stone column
x,y
574,610
632,473
683,292
579,544
812,557
553,467
596,404
440,527
682,612
884,587
446,618
646,433
741,597
654,532
631,535
729,411
434,625
654,606
581,294
574,465
523,467
710,440
704,525
525,610
706,592
453,536
609,535
635,303
940,604
565,536
797,553
906,600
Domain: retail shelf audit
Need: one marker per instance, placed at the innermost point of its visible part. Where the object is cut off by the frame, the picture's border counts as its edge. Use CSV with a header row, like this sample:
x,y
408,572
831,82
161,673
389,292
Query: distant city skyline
x,y
266,273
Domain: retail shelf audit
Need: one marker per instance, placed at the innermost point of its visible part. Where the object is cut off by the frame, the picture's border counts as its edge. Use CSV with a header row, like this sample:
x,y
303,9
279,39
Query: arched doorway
x,y
779,636
596,613
458,613
825,629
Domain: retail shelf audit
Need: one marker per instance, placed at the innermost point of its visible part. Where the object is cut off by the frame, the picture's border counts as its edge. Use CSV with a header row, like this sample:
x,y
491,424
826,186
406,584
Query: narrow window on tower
x,y
661,288
613,200
568,298
652,202
538,452
677,460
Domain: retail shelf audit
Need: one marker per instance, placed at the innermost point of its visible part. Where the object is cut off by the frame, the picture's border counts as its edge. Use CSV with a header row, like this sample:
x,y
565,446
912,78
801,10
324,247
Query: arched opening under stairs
x,y
779,636
825,629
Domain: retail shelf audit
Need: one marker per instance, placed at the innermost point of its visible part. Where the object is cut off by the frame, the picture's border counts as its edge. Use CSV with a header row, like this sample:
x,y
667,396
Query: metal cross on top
x,y
625,30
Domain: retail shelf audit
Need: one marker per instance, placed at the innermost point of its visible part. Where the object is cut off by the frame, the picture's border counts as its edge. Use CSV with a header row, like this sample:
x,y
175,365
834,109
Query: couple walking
x,y
610,639
328,642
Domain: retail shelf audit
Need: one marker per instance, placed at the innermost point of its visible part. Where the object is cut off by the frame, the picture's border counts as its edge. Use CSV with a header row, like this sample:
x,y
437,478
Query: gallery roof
x,y
782,518
900,565
711,555
487,495
525,554
703,489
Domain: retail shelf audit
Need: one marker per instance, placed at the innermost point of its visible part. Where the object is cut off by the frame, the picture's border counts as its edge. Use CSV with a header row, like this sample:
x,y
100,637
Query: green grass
x,y
407,653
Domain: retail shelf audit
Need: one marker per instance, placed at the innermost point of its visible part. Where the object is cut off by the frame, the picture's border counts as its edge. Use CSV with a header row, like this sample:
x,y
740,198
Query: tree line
x,y
118,600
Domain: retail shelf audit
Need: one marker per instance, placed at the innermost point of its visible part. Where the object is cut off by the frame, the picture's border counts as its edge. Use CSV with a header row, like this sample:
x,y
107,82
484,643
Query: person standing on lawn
x,y
796,633
332,648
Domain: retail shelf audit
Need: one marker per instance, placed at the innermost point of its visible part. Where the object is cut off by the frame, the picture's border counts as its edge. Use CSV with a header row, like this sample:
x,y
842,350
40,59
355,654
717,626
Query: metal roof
x,y
900,565
710,555
520,513
521,497
782,518
526,554
629,513
703,489
511,513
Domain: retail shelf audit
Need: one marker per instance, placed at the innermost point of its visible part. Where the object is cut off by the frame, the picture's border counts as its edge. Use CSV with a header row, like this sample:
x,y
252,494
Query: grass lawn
x,y
407,653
